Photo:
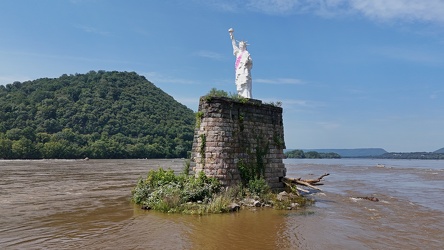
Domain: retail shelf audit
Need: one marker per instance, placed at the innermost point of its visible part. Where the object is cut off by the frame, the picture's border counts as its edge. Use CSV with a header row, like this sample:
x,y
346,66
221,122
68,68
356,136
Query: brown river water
x,y
76,204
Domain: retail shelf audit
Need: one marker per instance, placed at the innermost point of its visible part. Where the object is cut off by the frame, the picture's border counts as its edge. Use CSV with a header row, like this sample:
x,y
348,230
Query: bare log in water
x,y
309,183
306,184
370,198
315,181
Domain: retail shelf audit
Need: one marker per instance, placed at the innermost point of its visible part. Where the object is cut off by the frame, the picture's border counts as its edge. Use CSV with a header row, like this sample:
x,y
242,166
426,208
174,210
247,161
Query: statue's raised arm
x,y
233,42
243,66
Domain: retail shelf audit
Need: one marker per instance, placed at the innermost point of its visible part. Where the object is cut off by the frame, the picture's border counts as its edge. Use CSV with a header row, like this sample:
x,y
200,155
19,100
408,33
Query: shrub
x,y
258,187
164,191
219,204
200,188
141,192
217,93
160,177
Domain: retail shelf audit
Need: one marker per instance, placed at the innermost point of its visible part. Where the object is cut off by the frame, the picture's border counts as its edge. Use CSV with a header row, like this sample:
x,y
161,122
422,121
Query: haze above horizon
x,y
350,73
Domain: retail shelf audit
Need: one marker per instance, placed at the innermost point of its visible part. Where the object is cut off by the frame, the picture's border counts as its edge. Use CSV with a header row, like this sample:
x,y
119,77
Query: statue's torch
x,y
231,30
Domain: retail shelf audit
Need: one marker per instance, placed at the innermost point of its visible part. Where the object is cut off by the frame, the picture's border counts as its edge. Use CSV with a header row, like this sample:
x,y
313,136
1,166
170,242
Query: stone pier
x,y
237,140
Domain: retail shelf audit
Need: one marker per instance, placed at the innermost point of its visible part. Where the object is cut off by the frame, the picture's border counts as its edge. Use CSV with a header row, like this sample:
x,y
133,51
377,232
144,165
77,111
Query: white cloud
x,y
295,104
424,10
380,10
328,125
303,103
272,6
291,81
211,55
406,10
55,57
92,30
417,55
436,94
157,77
223,5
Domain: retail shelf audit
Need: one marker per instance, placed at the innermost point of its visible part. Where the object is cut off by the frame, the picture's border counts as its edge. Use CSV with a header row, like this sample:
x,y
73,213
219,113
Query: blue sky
x,y
350,73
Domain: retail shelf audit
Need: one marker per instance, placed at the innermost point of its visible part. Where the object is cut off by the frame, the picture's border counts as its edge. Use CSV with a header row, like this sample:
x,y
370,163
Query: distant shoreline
x,y
363,153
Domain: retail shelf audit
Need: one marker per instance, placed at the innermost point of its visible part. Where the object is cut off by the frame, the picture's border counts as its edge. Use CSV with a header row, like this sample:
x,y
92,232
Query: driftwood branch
x,y
308,183
315,181
301,189
296,181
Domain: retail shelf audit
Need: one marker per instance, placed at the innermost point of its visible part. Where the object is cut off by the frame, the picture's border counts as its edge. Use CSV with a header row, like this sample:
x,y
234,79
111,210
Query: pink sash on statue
x,y
238,59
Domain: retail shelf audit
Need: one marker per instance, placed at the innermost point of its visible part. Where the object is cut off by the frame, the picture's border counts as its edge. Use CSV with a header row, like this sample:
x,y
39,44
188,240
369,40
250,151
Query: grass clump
x,y
165,191
221,93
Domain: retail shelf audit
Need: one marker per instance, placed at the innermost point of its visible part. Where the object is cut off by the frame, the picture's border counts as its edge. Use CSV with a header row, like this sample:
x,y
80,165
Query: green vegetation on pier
x,y
163,190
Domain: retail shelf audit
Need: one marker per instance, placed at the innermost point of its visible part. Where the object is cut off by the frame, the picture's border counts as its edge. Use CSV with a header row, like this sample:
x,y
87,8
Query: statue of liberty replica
x,y
242,67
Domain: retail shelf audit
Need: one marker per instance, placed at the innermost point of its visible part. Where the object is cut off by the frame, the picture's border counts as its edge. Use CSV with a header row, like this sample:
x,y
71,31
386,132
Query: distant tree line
x,y
300,154
96,115
413,155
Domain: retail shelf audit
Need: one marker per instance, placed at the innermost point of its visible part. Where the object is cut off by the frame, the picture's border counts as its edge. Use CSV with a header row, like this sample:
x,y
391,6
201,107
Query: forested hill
x,y
96,115
439,151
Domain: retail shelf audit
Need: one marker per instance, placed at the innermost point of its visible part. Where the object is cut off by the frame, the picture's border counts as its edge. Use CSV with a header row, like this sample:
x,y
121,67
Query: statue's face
x,y
242,46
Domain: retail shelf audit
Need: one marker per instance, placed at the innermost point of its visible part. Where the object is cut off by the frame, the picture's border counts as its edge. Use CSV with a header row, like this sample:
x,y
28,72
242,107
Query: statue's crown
x,y
244,42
